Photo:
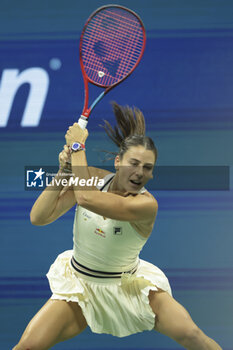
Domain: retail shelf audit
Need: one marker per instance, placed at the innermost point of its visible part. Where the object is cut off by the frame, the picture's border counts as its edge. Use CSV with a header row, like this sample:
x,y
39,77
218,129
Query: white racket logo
x,y
101,74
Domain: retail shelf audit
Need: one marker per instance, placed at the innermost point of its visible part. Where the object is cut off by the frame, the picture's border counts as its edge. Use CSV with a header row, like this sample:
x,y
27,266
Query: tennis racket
x,y
111,46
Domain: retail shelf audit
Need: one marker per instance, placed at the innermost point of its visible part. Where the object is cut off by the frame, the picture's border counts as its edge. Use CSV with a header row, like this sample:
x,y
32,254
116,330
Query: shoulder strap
x,y
107,182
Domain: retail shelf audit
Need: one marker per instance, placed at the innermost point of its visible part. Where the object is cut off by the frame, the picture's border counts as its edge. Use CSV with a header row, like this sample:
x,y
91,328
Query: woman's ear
x,y
152,174
117,162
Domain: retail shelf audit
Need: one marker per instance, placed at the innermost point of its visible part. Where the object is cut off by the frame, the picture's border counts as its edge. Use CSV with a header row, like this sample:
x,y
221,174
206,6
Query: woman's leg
x,y
174,321
56,321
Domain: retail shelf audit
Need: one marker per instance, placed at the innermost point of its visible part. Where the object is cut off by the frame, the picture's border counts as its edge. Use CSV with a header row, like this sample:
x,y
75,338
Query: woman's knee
x,y
27,343
190,336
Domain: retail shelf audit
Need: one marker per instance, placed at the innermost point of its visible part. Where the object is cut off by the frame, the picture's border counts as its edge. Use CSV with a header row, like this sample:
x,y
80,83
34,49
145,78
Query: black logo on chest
x,y
117,230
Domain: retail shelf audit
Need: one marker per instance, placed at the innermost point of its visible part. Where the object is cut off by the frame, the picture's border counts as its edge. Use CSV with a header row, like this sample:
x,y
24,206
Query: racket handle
x,y
82,122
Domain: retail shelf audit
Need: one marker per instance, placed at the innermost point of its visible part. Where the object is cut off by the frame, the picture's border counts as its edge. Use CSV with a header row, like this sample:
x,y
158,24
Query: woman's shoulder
x,y
145,227
146,193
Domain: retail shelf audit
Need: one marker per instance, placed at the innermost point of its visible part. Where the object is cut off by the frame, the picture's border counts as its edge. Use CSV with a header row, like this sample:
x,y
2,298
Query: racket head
x,y
111,45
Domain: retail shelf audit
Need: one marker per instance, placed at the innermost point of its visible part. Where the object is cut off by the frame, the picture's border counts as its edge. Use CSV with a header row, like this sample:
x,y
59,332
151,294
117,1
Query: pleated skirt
x,y
117,306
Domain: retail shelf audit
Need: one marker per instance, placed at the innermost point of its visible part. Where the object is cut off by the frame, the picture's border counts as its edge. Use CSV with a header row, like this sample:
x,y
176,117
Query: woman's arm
x,y
142,207
55,200
52,204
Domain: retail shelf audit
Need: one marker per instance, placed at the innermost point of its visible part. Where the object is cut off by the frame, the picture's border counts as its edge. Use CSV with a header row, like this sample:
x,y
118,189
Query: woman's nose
x,y
139,171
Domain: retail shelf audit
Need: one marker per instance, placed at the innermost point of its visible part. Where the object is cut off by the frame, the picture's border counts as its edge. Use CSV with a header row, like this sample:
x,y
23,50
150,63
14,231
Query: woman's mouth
x,y
135,182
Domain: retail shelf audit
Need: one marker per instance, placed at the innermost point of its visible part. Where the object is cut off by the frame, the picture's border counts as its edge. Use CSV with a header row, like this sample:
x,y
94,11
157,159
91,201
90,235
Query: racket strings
x,y
111,46
112,39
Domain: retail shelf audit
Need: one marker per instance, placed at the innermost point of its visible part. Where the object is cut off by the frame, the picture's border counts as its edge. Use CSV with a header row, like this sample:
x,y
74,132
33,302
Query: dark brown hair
x,y
130,130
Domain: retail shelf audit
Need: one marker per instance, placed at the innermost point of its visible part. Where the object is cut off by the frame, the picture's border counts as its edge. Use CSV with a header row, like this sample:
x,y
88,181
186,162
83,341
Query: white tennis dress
x,y
104,275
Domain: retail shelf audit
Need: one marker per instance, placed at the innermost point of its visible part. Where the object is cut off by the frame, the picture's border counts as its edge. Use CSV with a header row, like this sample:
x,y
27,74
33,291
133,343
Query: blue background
x,y
184,86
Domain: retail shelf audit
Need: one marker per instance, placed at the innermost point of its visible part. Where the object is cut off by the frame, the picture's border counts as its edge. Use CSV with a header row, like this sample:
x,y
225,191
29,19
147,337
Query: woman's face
x,y
135,168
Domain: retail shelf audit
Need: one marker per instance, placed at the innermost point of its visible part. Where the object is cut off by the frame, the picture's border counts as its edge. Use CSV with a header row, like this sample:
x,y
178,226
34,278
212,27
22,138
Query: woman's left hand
x,y
76,134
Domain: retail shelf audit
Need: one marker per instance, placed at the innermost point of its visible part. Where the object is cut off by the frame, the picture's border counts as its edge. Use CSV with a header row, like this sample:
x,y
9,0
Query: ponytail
x,y
130,129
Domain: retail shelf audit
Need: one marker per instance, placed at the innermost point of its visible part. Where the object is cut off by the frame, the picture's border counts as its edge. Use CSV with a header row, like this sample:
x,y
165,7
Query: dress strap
x,y
107,182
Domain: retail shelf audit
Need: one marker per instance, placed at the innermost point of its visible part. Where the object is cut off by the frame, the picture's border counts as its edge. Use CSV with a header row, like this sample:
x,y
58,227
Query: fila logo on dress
x,y
117,230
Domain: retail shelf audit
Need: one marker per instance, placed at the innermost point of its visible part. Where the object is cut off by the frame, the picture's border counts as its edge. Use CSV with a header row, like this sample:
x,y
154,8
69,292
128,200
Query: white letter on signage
x,y
11,81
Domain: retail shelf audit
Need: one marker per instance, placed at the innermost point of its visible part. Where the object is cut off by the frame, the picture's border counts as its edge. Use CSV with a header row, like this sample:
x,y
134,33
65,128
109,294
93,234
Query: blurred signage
x,y
11,81
41,85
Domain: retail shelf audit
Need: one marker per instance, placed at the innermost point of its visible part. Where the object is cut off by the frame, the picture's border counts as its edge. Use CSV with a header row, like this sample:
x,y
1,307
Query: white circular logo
x,y
101,74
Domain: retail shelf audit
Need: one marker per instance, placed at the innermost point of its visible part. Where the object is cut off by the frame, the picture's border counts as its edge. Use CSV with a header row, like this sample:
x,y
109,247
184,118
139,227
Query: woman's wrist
x,y
76,134
76,147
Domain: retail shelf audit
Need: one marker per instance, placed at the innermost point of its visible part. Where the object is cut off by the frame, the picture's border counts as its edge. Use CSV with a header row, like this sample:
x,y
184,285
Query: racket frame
x,y
83,120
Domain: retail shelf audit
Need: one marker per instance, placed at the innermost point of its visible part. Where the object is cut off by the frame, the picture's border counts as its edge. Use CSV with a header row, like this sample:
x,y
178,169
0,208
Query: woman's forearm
x,y
47,201
79,166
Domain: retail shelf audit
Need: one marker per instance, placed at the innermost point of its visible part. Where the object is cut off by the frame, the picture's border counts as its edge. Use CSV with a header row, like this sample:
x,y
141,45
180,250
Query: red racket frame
x,y
86,111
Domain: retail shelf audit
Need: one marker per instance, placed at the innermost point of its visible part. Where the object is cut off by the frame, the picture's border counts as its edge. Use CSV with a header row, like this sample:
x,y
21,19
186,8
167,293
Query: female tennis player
x,y
102,282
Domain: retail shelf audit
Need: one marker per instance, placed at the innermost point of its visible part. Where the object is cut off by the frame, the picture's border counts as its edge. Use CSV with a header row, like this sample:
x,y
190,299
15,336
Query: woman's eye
x,y
148,168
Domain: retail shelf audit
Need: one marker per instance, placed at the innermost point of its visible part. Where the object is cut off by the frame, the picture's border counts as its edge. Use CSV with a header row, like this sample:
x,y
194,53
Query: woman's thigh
x,y
172,319
56,321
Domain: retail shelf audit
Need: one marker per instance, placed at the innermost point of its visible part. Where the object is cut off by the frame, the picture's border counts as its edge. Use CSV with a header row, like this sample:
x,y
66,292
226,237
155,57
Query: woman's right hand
x,y
65,159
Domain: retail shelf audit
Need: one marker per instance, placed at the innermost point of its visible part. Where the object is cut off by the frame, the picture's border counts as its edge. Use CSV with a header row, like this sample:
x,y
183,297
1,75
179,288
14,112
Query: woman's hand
x,y
65,159
76,134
